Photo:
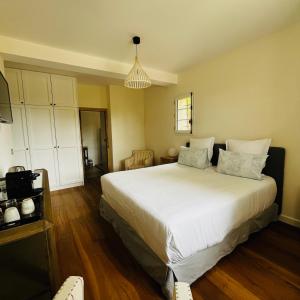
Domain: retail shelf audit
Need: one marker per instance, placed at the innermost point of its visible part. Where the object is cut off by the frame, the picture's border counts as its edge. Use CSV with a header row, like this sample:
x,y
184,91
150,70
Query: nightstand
x,y
168,159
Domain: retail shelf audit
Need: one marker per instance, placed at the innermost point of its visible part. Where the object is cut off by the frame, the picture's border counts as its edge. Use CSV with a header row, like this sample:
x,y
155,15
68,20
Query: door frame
x,y
106,125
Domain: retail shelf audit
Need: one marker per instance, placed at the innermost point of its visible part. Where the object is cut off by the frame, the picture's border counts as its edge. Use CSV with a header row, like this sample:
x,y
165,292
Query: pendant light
x,y
137,77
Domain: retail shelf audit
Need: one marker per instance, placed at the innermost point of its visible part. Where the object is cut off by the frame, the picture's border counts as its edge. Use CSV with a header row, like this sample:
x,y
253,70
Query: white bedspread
x,y
179,210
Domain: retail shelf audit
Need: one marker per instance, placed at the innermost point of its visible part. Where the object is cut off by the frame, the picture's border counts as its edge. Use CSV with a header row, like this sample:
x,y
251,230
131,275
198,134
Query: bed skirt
x,y
191,268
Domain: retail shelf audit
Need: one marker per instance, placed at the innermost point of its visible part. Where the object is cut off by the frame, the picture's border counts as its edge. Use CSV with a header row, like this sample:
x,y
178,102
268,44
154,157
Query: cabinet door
x,y
21,156
66,126
68,145
37,88
46,159
64,90
14,79
41,135
69,165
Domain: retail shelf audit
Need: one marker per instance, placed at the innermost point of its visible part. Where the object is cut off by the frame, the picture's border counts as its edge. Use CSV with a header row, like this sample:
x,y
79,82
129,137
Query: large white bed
x,y
178,210
179,221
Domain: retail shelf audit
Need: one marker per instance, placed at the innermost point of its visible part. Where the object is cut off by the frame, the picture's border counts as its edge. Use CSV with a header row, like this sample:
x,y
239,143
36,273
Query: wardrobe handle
x,y
22,102
57,146
54,104
27,149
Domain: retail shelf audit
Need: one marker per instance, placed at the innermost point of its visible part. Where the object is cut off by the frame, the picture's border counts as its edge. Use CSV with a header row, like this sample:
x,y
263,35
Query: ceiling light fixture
x,y
137,77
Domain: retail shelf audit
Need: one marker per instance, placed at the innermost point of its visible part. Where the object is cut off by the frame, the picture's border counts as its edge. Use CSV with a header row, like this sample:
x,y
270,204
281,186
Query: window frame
x,y
183,132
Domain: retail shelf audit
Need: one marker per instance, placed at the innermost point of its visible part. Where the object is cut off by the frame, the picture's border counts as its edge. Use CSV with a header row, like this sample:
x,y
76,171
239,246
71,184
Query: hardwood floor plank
x,y
229,285
203,289
266,267
256,278
280,271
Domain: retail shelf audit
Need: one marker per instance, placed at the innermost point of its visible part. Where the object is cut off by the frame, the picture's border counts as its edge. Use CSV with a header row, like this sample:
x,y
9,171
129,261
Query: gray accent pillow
x,y
193,157
241,164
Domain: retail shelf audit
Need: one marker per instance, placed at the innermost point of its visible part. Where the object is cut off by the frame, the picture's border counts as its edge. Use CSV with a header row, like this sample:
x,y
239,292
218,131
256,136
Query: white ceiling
x,y
175,33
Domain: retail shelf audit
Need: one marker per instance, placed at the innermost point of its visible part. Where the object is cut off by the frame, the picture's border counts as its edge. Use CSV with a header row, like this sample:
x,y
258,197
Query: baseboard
x,y
290,220
67,186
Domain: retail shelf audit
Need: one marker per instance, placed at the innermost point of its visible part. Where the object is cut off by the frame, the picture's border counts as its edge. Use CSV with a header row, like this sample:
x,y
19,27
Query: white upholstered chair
x,y
139,159
72,289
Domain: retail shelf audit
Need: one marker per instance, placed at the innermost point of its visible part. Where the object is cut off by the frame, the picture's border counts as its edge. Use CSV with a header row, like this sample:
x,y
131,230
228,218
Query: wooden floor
x,y
265,267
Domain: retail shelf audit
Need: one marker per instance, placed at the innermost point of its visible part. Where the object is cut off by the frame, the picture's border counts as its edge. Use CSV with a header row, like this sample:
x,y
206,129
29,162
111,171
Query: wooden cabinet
x,y
28,256
41,134
14,79
37,88
67,127
21,155
64,91
40,124
68,144
69,165
46,130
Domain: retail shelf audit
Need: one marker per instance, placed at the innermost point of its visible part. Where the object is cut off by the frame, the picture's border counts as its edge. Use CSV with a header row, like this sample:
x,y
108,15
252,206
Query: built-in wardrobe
x,y
45,128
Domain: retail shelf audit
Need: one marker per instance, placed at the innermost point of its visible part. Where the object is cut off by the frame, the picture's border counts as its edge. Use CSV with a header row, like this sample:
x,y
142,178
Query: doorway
x,y
93,125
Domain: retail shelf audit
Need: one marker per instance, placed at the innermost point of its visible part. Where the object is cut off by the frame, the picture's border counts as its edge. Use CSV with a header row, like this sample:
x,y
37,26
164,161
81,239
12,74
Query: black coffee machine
x,y
20,184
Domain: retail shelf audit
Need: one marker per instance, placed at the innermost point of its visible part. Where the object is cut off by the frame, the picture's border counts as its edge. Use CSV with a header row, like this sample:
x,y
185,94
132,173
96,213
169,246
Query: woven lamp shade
x,y
137,77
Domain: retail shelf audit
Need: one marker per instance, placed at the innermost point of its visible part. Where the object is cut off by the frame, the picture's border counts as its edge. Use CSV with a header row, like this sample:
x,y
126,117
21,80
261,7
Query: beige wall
x,y
5,140
92,95
127,123
251,92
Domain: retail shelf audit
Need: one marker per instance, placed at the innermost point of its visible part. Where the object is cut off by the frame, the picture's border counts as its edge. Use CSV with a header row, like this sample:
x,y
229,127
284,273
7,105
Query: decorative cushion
x,y
207,143
259,147
241,164
193,157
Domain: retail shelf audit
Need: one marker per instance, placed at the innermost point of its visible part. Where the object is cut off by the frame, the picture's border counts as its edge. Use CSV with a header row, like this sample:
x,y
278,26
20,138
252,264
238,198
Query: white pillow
x,y
207,143
259,147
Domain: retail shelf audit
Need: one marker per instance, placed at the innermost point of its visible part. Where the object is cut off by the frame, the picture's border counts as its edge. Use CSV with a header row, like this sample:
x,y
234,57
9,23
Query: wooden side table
x,y
168,159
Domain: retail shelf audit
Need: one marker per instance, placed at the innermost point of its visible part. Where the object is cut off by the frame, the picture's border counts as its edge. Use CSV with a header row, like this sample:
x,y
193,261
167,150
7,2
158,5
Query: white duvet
x,y
179,210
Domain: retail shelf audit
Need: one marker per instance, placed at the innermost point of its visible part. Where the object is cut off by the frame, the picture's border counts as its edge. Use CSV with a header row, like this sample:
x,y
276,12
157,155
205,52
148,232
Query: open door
x,y
103,161
93,125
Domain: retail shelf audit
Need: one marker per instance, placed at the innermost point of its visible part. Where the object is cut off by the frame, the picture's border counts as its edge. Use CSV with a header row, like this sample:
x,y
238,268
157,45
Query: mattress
x,y
179,210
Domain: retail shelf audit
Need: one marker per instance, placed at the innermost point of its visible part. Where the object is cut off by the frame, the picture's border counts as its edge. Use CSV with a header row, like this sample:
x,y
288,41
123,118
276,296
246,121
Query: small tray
x,y
37,198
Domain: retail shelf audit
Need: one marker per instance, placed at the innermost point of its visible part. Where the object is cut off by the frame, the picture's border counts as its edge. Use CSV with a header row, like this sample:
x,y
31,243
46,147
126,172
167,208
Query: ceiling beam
x,y
21,51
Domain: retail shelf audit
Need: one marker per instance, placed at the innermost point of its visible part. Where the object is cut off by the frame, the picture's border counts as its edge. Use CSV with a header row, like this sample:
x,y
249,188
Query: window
x,y
184,113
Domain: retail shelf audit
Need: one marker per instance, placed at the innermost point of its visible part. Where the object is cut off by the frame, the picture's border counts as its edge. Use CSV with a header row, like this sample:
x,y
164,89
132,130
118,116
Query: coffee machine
x,y
20,184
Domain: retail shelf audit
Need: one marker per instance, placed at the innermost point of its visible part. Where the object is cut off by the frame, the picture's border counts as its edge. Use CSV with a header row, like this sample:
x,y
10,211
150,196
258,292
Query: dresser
x,y
28,256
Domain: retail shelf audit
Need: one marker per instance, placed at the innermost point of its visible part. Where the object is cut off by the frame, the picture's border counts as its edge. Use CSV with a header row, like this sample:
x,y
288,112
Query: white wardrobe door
x,y
64,90
37,88
69,166
14,80
21,155
68,145
46,159
40,124
66,124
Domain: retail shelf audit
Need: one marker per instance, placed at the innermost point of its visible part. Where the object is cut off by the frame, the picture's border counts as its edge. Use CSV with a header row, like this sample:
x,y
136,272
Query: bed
x,y
179,221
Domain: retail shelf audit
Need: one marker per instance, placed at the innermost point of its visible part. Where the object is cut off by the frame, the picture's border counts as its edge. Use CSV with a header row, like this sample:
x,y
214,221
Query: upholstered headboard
x,y
274,167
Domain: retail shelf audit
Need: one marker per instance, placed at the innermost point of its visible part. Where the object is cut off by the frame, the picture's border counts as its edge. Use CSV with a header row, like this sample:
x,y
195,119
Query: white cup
x,y
27,206
11,214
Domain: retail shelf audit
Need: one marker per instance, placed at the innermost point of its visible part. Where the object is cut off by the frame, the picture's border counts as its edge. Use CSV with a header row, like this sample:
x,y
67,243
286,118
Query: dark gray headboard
x,y
274,167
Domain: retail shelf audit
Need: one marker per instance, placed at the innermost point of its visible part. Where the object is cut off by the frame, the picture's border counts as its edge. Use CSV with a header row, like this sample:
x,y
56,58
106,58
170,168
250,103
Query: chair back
x,y
141,155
